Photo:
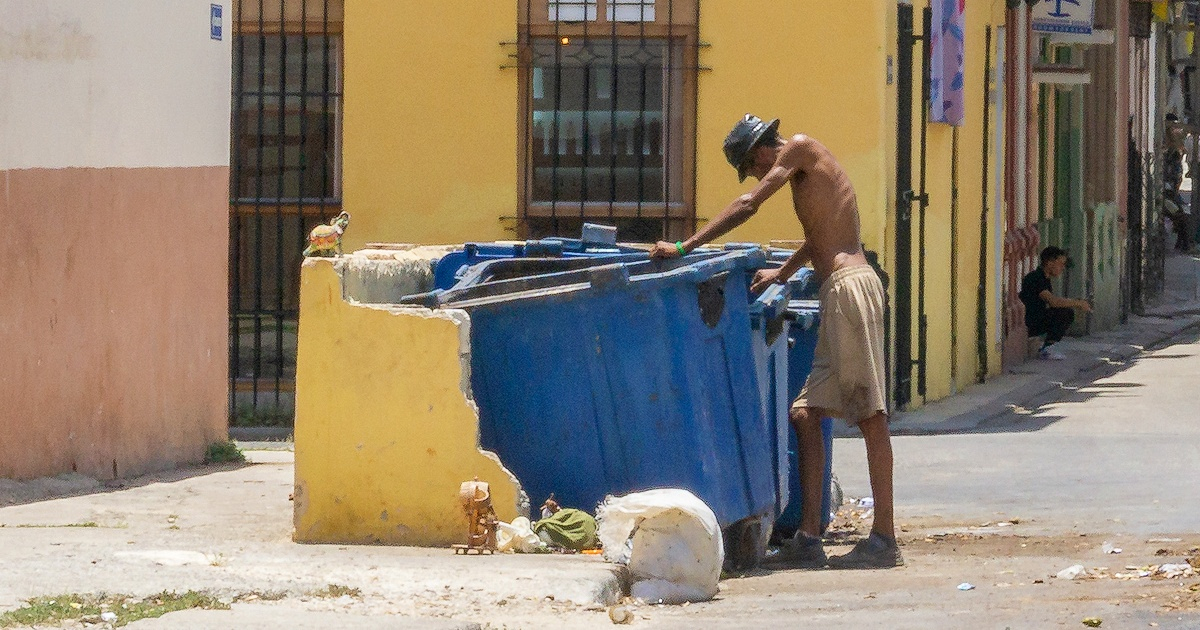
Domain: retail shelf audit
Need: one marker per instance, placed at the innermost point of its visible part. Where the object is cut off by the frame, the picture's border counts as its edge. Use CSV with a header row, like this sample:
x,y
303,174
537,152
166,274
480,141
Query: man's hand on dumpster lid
x,y
663,249
764,278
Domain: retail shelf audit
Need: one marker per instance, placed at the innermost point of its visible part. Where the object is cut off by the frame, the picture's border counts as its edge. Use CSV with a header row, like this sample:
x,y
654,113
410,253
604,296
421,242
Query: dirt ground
x,y
1012,577
226,531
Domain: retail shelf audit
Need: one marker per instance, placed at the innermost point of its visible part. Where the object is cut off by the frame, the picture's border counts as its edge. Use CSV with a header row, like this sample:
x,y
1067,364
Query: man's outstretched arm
x,y
795,154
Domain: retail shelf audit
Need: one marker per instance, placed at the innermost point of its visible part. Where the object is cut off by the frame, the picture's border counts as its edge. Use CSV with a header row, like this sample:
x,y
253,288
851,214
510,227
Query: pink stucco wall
x,y
113,322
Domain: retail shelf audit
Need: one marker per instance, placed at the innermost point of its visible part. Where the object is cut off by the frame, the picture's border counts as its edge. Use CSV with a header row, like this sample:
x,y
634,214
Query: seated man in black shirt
x,y
1046,313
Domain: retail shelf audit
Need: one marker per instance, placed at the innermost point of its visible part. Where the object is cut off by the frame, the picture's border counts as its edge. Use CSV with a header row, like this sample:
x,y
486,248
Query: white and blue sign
x,y
1064,16
215,21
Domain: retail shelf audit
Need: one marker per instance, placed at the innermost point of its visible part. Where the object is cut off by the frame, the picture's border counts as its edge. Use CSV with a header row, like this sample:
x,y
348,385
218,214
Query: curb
x,y
260,434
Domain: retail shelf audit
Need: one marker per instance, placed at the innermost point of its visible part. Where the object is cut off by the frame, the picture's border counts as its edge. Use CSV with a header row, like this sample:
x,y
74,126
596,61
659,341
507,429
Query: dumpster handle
x,y
705,269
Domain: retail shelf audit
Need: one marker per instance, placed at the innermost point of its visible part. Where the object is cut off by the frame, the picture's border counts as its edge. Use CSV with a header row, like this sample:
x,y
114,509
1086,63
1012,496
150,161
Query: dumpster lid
x,y
625,270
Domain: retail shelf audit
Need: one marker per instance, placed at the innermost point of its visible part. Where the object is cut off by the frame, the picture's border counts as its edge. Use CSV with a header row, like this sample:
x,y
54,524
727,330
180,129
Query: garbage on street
x,y
669,539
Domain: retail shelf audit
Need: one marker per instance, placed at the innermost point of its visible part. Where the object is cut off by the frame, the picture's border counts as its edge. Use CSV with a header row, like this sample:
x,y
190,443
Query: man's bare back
x,y
826,205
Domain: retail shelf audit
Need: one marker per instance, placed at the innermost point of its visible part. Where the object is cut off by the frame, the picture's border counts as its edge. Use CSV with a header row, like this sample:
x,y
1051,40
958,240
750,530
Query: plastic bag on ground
x,y
518,536
671,541
569,528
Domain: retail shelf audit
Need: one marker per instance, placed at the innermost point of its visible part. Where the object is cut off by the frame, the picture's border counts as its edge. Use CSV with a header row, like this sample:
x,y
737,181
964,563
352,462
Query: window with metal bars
x,y
608,114
285,179
288,121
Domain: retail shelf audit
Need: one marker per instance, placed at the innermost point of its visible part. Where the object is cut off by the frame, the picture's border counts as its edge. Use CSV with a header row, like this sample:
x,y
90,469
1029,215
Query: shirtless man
x,y
847,379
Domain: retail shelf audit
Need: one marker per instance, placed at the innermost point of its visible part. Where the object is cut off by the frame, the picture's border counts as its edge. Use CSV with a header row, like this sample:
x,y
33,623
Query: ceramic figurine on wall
x,y
325,240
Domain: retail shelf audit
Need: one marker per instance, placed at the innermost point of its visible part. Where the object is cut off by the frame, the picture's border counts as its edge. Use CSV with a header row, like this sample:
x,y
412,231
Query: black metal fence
x,y
285,179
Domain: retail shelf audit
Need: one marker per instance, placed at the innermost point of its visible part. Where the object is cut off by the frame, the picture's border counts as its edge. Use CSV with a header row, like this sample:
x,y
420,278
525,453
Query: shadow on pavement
x,y
1021,406
74,485
1028,416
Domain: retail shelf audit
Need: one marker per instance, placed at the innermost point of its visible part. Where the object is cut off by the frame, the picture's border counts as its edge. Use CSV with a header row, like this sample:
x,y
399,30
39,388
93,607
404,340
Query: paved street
x,y
1111,456
1001,487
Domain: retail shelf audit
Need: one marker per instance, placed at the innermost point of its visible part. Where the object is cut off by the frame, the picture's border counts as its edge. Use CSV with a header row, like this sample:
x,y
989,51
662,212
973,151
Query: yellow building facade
x,y
436,129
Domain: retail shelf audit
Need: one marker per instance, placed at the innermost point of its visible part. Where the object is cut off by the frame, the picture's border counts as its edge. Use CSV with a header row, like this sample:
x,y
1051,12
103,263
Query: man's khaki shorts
x,y
848,379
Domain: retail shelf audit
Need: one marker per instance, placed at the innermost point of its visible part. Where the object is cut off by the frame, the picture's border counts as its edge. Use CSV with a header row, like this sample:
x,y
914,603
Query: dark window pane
x,y
629,229
597,120
287,148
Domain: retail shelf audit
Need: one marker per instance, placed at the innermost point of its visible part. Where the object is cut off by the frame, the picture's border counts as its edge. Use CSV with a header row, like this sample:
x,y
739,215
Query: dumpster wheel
x,y
746,543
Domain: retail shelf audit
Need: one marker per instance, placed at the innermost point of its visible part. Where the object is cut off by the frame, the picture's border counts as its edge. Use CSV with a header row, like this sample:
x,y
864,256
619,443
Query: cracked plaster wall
x,y
386,429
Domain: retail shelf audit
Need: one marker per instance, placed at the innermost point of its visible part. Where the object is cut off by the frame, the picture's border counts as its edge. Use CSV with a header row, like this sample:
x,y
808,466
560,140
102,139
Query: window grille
x,y
285,178
608,116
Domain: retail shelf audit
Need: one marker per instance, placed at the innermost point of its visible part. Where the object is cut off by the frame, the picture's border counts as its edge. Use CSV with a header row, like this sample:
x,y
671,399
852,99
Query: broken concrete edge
x,y
344,339
462,320
384,276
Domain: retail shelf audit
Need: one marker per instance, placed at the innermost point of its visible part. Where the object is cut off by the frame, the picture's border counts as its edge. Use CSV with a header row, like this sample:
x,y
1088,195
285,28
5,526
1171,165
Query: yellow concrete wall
x,y
996,207
979,18
822,70
384,433
430,120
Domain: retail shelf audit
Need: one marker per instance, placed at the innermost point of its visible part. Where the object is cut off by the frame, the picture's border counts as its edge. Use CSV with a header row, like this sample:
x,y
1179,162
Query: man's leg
x,y
1184,242
879,466
1060,320
1037,327
879,550
806,421
804,549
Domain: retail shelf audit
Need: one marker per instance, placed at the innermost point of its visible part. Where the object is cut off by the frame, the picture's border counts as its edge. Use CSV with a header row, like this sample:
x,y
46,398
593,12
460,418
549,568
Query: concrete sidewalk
x,y
1174,312
226,530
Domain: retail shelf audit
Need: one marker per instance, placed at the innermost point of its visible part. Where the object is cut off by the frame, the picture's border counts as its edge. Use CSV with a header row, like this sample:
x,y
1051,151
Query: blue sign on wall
x,y
215,22
1064,16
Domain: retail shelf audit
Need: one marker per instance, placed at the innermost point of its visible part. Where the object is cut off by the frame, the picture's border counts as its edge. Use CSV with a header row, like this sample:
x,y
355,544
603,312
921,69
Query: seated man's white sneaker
x,y
1050,354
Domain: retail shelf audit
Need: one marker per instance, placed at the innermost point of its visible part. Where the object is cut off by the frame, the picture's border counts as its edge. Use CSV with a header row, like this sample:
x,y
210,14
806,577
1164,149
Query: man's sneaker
x,y
1051,354
875,552
800,551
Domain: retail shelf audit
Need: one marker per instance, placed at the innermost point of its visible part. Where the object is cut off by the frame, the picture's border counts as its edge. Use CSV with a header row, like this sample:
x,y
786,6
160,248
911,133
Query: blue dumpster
x,y
805,316
624,376
770,325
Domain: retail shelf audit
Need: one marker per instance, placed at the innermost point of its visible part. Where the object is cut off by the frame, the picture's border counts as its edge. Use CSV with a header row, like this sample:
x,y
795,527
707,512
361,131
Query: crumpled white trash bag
x,y
518,536
675,552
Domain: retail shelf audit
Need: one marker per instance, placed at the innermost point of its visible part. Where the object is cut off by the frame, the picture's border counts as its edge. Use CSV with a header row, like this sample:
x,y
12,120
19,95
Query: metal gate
x,y
905,197
285,178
